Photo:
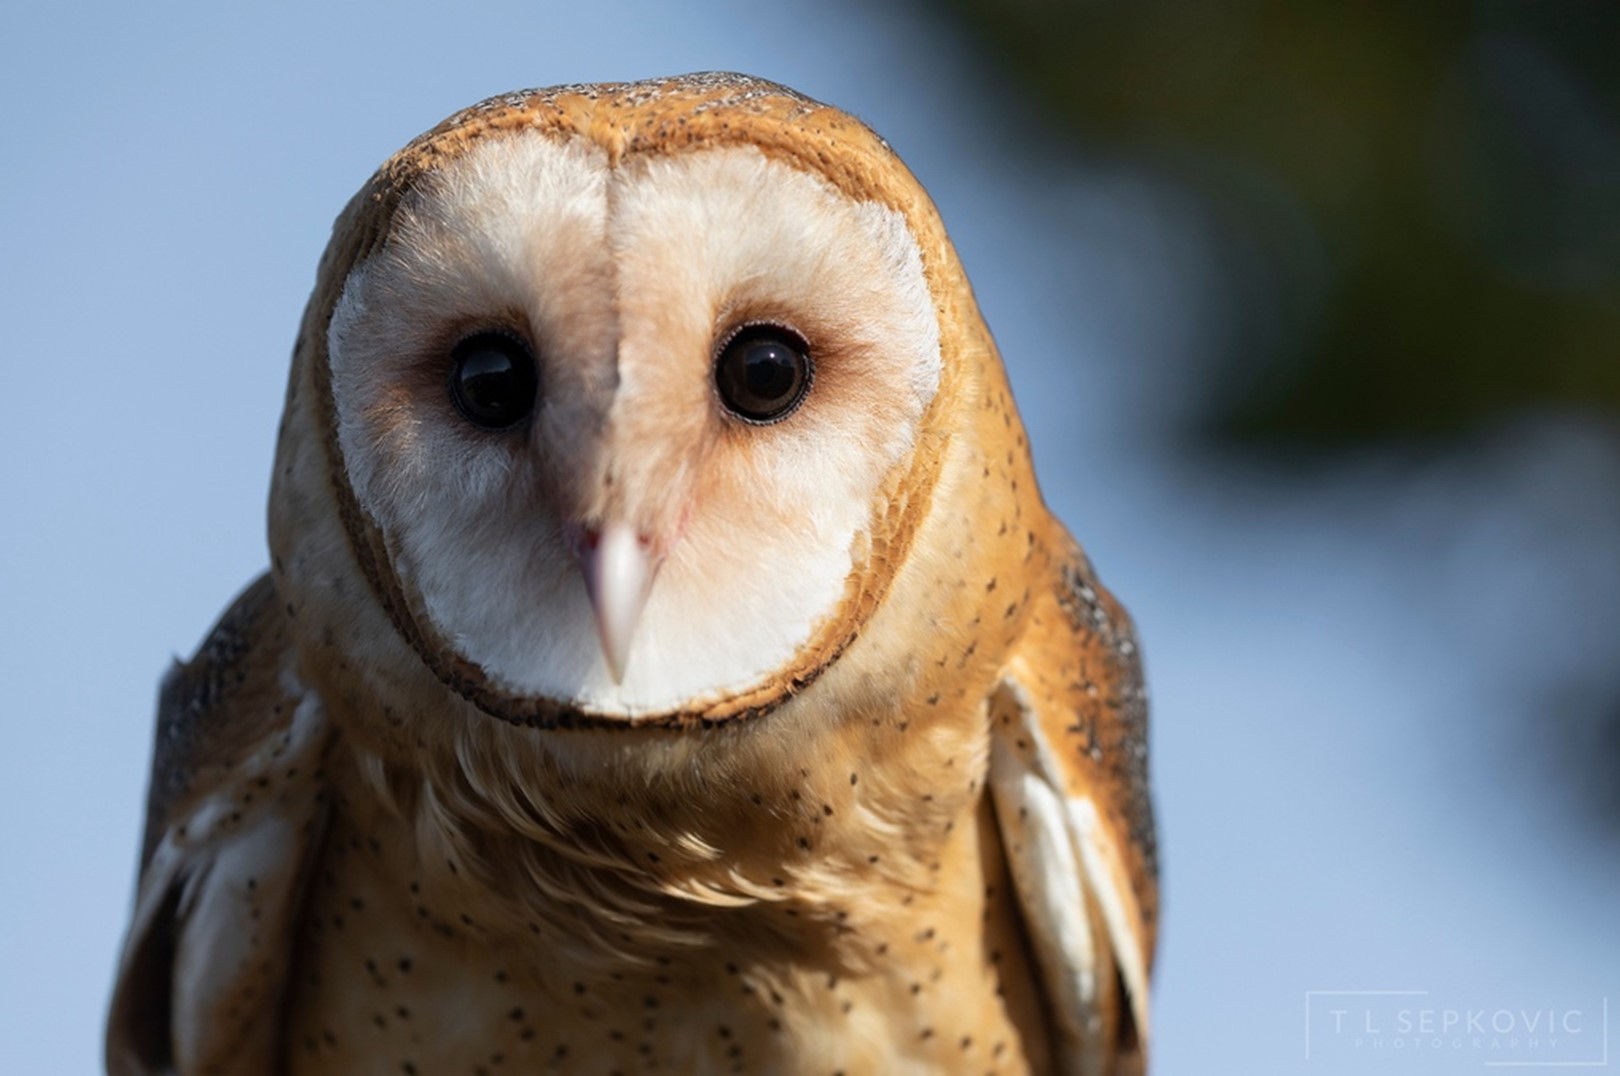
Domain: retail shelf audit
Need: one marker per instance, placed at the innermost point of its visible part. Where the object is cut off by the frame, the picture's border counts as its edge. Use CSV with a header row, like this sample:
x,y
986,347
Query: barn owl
x,y
666,661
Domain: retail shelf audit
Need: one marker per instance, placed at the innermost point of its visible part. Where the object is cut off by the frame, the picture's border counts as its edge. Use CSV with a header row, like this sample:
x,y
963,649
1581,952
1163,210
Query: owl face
x,y
625,425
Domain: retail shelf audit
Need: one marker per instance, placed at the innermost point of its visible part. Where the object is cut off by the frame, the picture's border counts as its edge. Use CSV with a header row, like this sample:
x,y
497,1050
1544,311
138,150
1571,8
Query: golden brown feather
x,y
803,875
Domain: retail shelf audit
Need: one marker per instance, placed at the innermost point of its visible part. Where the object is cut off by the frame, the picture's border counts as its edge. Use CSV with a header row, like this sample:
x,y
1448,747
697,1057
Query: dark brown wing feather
x,y
234,812
215,705
1070,773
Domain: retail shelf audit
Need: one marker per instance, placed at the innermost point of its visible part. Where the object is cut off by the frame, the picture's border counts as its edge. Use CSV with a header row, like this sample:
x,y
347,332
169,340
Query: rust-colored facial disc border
x,y
659,117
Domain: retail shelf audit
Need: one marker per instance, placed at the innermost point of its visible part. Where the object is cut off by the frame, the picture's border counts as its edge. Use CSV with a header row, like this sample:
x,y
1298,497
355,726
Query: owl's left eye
x,y
763,373
493,380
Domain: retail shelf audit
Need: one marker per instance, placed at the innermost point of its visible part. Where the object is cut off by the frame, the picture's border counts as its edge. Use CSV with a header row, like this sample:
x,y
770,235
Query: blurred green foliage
x,y
1422,200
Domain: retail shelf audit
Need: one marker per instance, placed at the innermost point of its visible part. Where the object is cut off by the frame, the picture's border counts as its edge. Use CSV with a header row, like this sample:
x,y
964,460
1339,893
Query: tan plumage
x,y
868,793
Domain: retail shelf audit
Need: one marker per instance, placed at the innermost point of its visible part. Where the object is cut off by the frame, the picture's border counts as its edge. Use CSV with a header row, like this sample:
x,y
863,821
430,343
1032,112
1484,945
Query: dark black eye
x,y
763,372
492,379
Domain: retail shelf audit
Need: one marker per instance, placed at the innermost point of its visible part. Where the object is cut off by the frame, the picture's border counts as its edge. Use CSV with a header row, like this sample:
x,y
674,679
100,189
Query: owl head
x,y
620,405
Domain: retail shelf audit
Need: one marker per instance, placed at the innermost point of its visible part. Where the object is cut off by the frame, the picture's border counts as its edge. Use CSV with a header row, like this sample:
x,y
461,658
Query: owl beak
x,y
619,567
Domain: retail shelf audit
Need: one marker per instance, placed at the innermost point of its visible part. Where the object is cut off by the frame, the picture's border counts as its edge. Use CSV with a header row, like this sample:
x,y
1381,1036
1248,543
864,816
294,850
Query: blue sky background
x,y
1357,787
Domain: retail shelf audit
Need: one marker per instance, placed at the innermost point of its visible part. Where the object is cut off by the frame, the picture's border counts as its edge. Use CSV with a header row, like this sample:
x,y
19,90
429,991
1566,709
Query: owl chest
x,y
388,981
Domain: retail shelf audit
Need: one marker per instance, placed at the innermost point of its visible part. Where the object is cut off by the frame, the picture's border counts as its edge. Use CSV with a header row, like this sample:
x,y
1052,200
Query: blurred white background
x,y
1349,796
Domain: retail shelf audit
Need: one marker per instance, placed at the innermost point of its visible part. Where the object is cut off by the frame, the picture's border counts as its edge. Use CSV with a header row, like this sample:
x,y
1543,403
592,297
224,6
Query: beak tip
x,y
618,576
616,661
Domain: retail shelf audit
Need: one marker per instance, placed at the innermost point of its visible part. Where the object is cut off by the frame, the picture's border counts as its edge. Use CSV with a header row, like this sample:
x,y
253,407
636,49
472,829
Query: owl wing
x,y
1068,774
234,816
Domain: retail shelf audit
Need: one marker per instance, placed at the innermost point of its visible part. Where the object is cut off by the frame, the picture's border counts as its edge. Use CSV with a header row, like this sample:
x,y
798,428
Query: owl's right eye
x,y
493,380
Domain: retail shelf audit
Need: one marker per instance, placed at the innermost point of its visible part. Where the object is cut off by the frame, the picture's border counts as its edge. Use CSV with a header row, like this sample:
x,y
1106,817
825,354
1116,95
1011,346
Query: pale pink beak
x,y
619,566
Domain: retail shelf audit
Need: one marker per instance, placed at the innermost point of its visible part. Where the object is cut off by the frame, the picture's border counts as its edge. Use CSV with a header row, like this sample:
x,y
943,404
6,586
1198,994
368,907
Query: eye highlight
x,y
763,373
493,379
